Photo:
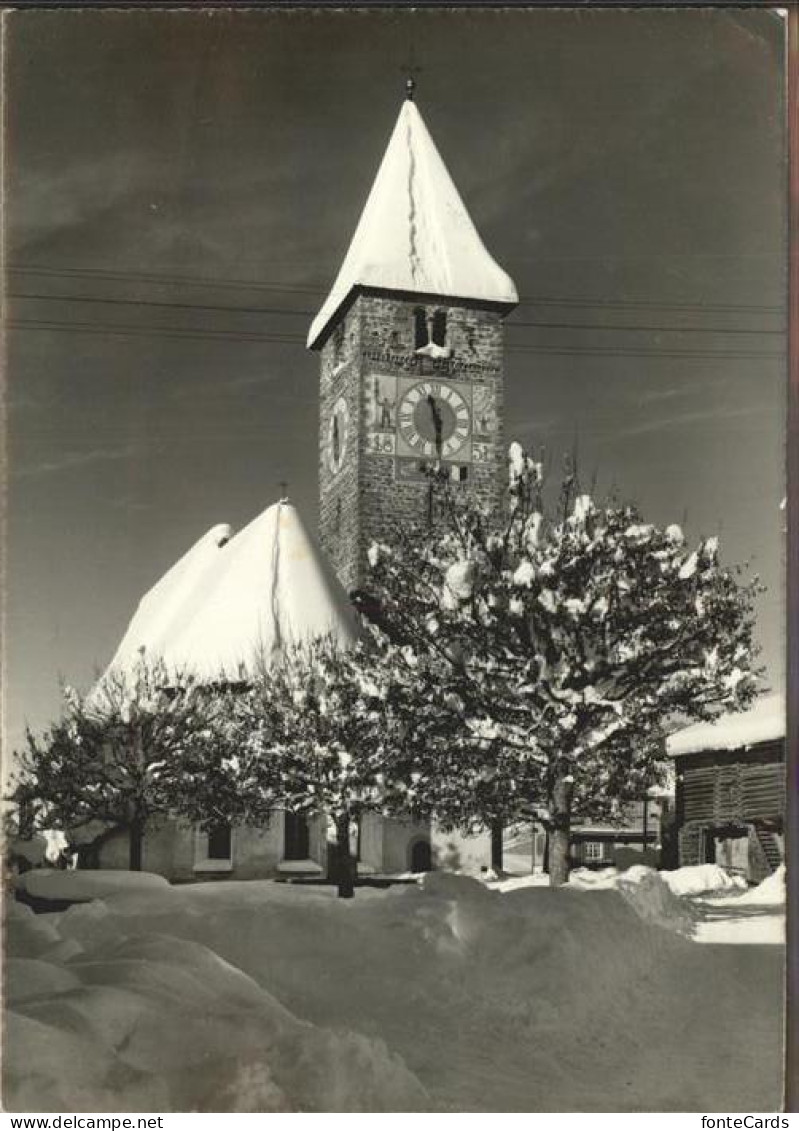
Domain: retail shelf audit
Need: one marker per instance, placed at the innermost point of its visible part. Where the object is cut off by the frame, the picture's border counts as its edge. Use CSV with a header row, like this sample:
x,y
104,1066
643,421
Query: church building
x,y
411,373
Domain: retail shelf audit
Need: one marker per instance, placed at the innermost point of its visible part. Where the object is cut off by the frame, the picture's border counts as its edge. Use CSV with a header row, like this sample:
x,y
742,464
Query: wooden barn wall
x,y
747,785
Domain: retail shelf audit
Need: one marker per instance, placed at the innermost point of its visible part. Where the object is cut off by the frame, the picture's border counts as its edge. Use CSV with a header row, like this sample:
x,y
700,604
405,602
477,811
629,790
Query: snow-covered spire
x,y
414,233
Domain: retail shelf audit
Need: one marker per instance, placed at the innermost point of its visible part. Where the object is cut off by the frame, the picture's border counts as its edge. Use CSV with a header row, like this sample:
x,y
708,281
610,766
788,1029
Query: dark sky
x,y
182,186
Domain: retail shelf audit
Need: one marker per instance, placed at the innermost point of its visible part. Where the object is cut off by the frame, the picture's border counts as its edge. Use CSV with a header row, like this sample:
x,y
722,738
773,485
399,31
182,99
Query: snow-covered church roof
x,y
765,722
234,598
414,233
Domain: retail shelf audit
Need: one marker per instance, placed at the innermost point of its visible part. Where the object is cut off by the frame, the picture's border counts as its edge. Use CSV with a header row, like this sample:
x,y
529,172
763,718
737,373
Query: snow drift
x,y
771,891
698,879
442,997
124,1023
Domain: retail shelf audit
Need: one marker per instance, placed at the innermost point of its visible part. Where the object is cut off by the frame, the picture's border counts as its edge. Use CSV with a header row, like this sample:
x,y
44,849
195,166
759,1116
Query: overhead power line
x,y
539,324
216,282
99,329
221,307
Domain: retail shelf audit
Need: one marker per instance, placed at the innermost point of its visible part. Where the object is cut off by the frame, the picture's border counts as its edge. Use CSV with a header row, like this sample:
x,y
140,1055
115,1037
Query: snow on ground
x,y
750,916
643,888
51,883
446,996
117,1019
702,902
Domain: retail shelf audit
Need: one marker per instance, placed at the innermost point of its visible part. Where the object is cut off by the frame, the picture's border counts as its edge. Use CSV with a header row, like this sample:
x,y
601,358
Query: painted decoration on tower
x,y
485,424
420,420
484,411
338,435
381,413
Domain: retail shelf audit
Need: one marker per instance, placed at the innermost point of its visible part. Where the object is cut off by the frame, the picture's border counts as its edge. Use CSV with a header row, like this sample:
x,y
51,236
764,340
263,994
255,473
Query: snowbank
x,y
735,917
158,1022
770,892
52,883
442,996
700,878
645,890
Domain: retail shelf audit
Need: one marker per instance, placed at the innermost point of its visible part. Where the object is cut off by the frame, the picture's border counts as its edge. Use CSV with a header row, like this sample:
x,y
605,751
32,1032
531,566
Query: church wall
x,y
174,849
398,840
170,849
371,842
162,850
257,852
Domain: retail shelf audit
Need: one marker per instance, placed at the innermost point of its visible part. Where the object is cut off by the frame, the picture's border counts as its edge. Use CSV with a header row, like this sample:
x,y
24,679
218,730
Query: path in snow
x,y
731,921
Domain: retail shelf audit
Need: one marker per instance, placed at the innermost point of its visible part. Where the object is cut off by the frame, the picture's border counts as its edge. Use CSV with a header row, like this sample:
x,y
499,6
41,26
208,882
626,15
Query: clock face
x,y
337,435
434,419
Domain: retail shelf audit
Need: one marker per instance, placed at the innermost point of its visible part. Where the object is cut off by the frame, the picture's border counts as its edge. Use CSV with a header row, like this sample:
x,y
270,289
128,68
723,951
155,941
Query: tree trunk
x,y
136,844
496,845
346,864
560,832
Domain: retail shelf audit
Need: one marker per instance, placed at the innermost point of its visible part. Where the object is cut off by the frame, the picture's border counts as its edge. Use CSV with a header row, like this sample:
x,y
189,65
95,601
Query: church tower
x,y
410,339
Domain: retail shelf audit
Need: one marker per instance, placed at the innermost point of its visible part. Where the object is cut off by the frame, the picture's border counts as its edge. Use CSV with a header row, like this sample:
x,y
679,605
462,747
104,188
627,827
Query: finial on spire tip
x,y
410,87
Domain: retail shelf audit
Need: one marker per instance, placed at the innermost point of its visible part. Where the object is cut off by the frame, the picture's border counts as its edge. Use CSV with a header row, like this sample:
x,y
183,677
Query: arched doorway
x,y
421,856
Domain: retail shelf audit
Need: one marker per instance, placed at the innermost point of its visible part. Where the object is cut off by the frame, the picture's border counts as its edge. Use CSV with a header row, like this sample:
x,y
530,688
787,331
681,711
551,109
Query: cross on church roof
x,y
409,70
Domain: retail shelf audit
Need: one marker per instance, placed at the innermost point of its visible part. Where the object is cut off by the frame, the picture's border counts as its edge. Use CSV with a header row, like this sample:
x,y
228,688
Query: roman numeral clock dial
x,y
434,420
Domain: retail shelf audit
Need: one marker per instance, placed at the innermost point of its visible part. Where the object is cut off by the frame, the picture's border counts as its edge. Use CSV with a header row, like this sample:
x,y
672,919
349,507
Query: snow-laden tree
x,y
109,763
318,734
542,658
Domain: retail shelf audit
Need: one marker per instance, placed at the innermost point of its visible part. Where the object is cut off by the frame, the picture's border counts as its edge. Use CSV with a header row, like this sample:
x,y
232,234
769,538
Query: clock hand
x,y
437,421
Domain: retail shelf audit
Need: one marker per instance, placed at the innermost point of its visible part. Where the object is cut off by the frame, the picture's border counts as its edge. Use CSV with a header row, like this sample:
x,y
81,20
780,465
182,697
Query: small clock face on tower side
x,y
337,435
434,419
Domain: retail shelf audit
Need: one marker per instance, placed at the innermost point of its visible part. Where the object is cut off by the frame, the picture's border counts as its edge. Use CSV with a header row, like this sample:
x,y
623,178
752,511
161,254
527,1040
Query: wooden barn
x,y
731,789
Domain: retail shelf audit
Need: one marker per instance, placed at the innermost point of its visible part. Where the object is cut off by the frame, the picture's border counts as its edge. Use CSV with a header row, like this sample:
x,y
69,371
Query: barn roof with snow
x,y
415,233
236,597
765,722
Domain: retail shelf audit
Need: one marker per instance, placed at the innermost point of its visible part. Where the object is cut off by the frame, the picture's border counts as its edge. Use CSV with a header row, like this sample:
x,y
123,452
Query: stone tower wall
x,y
371,350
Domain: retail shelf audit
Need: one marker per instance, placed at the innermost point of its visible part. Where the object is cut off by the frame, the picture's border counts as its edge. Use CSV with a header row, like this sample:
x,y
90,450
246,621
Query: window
x,y
296,841
593,850
440,327
420,326
429,329
220,842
